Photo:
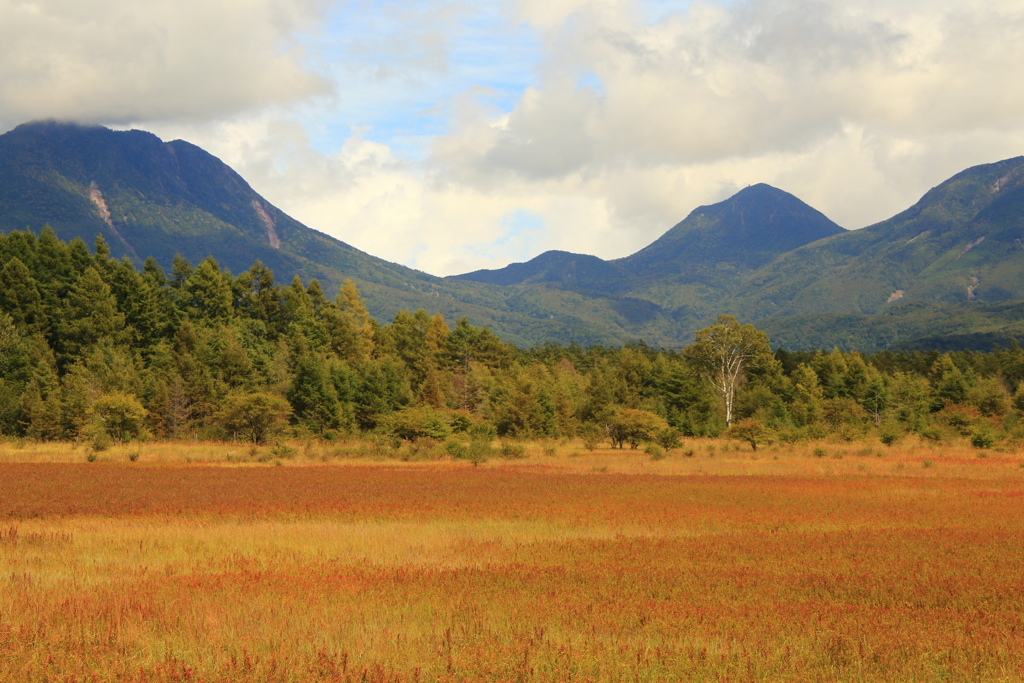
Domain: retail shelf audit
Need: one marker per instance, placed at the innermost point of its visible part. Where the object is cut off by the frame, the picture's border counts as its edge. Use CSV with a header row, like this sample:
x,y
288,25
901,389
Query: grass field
x,y
821,562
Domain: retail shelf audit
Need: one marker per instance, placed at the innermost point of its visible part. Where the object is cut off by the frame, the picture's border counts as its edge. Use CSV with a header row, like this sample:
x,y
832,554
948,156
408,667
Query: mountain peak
x,y
563,267
746,231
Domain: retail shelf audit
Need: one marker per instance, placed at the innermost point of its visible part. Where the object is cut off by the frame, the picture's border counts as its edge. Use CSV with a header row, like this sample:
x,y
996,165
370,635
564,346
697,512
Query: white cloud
x,y
115,61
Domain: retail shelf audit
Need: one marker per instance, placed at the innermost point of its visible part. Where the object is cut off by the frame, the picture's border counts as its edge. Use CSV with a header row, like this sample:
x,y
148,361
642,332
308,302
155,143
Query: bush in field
x,y
751,431
478,452
255,416
512,451
983,437
655,451
669,438
100,442
283,451
791,435
481,435
889,435
591,435
632,426
422,422
456,449
482,431
121,415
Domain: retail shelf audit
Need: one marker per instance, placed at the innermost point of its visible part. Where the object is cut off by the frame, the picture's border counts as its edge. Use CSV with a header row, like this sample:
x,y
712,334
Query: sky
x,y
457,135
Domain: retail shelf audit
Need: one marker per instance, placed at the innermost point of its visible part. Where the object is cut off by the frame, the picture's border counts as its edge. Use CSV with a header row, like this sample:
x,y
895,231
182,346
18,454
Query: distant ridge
x,y
563,267
744,232
147,197
920,277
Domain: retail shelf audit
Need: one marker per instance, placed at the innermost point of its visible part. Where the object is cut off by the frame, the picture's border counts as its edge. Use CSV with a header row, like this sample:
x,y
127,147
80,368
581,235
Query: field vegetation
x,y
343,561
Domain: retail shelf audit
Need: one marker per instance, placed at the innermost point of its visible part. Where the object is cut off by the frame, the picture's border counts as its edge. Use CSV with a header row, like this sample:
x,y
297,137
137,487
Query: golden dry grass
x,y
727,565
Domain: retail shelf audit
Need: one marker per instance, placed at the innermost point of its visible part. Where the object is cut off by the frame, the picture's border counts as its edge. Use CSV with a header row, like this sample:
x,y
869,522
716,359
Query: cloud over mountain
x,y
117,61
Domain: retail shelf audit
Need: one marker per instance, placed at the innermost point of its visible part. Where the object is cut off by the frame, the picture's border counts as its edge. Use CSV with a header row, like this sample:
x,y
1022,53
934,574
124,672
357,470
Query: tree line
x,y
93,348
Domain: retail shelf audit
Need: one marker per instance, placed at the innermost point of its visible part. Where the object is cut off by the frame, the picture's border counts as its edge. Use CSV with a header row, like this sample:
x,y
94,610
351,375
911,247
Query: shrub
x,y
121,415
790,436
632,426
283,451
655,451
591,435
100,440
889,436
669,438
960,418
479,451
460,422
750,430
456,449
256,416
482,431
819,452
983,438
421,422
512,451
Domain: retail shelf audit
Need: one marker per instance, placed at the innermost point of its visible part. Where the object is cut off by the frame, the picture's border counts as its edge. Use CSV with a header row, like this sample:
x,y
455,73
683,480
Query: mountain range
x,y
948,271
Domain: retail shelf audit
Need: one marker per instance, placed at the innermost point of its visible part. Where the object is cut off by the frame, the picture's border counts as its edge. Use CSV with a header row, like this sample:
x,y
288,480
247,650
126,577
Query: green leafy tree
x,y
634,426
950,384
909,399
181,270
207,292
312,395
384,389
90,314
808,395
80,390
121,415
750,430
254,416
259,299
349,325
990,396
41,409
420,422
19,296
723,351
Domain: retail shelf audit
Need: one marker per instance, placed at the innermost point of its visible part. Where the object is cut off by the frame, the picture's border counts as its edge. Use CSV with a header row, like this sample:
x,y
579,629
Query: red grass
x,y
713,578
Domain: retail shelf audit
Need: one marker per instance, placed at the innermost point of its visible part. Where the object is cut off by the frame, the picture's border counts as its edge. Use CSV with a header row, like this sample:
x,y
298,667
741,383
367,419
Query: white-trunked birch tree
x,y
722,352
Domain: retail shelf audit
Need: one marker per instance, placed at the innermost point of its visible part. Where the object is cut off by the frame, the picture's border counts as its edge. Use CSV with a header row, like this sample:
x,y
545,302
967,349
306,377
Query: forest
x,y
95,350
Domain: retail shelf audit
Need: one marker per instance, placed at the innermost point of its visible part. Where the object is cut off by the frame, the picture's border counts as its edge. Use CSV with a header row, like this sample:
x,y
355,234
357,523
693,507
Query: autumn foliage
x,y
871,567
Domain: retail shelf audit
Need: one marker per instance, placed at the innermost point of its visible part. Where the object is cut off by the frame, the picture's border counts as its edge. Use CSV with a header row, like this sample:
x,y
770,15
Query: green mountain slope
x,y
146,197
764,255
960,242
946,327
552,267
746,231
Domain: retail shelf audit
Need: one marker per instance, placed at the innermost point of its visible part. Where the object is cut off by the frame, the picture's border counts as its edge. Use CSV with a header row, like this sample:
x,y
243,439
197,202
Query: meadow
x,y
344,562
